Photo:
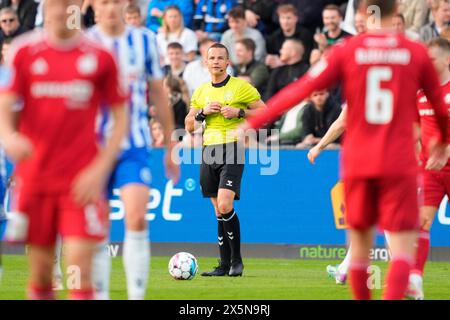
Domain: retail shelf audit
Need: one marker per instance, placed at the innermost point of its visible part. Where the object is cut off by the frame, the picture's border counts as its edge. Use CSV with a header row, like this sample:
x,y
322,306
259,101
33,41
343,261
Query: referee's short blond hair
x,y
220,46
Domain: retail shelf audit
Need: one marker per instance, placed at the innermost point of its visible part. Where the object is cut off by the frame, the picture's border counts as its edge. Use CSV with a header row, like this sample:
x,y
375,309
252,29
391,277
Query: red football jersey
x,y
428,125
61,88
380,74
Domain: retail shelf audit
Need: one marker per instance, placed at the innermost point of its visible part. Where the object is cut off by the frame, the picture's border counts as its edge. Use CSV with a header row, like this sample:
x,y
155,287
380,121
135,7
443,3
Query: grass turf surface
x,y
264,279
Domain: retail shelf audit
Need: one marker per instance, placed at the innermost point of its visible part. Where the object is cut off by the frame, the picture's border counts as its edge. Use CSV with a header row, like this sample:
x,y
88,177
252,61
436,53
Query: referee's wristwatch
x,y
200,116
241,114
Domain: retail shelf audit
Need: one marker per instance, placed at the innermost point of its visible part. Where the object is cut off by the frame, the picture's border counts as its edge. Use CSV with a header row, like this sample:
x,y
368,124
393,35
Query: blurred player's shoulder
x,y
136,39
31,41
97,34
146,31
148,36
89,43
30,38
35,41
415,46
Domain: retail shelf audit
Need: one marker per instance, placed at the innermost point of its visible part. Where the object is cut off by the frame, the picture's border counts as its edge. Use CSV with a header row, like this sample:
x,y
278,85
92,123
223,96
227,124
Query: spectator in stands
x,y
415,13
157,133
196,72
39,19
316,55
210,18
156,9
332,19
360,23
398,22
291,55
247,67
87,13
143,7
336,90
239,30
430,15
4,47
133,16
176,64
289,29
26,11
310,12
317,118
9,24
173,30
446,33
259,15
349,23
440,10
290,127
178,98
355,22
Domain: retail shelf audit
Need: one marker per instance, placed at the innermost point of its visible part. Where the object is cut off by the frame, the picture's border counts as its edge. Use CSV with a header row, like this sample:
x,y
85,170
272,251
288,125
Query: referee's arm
x,y
189,122
254,108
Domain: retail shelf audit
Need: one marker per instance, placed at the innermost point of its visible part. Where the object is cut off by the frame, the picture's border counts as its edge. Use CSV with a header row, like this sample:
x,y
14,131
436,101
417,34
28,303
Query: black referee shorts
x,y
222,168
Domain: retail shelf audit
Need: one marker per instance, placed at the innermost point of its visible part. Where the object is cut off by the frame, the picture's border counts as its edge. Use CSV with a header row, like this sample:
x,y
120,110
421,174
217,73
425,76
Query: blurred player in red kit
x,y
436,184
60,78
380,72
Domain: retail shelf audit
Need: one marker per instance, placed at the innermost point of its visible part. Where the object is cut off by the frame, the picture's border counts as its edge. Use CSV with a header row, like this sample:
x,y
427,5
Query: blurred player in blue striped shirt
x,y
136,53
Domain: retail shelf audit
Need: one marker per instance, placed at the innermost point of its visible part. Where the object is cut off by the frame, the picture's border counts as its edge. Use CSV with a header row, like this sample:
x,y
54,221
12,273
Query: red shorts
x,y
389,202
51,214
436,184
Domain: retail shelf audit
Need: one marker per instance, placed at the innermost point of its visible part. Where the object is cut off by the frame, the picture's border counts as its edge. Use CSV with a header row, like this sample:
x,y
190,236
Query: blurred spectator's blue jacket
x,y
210,15
186,7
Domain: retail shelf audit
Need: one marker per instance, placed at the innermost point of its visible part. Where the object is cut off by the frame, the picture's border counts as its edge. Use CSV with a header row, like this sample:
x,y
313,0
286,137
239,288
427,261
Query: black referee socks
x,y
233,234
224,245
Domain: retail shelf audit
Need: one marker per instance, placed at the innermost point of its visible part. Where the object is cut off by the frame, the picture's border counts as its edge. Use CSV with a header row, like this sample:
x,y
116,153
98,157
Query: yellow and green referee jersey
x,y
236,93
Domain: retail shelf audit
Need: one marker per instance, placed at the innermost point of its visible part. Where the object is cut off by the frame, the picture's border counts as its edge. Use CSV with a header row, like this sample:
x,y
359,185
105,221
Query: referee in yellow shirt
x,y
223,104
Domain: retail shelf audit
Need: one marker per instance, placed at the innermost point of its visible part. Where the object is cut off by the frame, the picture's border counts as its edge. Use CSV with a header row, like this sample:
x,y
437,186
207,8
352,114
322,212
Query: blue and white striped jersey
x,y
6,168
138,59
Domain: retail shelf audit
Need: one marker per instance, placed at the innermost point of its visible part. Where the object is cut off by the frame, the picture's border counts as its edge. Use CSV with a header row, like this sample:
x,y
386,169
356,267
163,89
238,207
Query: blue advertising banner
x,y
291,206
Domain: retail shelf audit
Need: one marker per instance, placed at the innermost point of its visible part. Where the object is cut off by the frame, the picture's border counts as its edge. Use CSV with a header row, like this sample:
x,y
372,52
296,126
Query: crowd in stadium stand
x,y
271,42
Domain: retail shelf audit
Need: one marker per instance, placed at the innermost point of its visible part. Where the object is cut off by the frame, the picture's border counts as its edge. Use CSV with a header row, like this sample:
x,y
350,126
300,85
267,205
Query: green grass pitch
x,y
264,279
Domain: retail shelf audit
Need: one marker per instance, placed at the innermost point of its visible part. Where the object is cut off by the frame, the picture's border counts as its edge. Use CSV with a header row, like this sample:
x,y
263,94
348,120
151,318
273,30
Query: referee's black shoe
x,y
219,271
237,267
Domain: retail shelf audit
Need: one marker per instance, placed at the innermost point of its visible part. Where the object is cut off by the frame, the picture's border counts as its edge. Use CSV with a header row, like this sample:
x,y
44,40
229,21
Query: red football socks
x,y
397,277
36,292
87,294
423,247
358,279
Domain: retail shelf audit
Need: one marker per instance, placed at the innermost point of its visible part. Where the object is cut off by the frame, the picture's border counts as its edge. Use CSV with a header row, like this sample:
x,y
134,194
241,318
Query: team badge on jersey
x,y
447,98
228,96
87,64
39,67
